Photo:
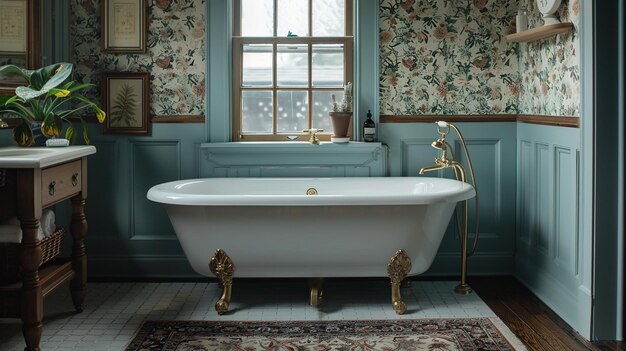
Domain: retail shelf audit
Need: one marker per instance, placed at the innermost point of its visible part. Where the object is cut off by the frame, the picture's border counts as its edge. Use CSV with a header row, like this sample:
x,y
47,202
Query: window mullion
x,y
310,65
274,73
274,87
310,18
310,92
275,18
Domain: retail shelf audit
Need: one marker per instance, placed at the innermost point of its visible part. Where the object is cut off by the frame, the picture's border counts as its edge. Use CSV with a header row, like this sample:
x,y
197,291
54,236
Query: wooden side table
x,y
27,192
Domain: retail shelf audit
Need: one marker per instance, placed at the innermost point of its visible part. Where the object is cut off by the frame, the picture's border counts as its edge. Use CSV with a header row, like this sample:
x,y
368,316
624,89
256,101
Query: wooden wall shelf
x,y
539,33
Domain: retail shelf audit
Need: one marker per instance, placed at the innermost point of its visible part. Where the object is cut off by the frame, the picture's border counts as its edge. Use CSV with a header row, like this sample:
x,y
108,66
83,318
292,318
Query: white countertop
x,y
41,157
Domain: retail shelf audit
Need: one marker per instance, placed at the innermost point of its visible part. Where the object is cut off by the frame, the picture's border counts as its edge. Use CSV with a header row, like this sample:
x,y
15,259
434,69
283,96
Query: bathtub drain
x,y
311,191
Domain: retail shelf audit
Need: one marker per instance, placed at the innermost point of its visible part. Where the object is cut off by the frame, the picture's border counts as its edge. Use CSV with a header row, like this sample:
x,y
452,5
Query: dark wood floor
x,y
536,325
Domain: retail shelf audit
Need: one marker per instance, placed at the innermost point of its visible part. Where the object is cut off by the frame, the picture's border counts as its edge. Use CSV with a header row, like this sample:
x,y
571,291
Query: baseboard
x,y
556,296
142,267
481,263
176,267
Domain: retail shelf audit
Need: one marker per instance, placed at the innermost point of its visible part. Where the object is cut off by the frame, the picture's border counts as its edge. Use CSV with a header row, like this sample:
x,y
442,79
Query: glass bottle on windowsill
x,y
369,128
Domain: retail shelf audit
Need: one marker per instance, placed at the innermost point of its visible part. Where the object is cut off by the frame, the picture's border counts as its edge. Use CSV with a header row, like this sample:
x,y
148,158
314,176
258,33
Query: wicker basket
x,y
10,254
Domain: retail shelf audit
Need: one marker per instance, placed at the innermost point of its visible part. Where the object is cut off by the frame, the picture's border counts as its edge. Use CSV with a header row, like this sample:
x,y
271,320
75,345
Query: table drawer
x,y
60,182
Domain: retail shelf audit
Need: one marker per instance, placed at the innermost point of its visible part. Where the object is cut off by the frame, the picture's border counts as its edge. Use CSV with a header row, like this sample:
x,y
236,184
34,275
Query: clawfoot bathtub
x,y
310,227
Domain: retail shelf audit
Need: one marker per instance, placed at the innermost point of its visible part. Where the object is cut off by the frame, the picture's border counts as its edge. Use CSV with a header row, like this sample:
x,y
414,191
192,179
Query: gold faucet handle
x,y
313,135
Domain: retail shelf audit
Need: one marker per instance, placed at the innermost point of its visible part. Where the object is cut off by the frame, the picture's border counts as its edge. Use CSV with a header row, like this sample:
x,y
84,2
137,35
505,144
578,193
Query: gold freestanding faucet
x,y
443,162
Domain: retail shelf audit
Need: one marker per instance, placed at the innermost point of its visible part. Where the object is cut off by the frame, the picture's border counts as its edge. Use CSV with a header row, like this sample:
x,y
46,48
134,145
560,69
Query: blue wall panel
x,y
293,159
548,257
492,148
129,235
152,162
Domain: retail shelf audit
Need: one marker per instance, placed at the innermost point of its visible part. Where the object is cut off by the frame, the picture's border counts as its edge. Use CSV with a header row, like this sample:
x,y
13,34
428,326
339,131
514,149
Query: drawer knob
x,y
74,179
52,187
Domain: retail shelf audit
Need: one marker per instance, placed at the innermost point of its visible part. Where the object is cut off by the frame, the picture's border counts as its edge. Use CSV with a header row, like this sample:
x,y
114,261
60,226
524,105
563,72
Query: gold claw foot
x,y
222,266
399,306
317,288
398,268
221,306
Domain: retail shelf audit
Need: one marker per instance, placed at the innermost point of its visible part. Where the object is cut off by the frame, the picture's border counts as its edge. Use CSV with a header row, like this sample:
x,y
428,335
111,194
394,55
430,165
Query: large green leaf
x,y
13,69
44,79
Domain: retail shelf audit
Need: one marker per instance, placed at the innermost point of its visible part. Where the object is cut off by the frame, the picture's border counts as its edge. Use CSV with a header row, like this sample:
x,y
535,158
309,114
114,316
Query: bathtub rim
x,y
161,194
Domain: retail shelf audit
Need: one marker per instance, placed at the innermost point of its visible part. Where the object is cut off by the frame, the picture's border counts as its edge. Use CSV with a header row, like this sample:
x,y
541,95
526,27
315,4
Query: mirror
x,y
20,39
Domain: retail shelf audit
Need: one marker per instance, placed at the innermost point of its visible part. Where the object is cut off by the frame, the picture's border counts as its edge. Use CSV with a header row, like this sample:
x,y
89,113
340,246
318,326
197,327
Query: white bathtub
x,y
270,227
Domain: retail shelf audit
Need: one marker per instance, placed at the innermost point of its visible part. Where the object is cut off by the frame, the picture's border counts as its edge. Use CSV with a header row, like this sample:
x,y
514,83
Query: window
x,y
289,56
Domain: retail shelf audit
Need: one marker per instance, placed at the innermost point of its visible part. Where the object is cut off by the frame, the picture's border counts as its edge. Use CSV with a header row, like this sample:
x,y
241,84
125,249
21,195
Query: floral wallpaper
x,y
549,69
175,58
452,57
447,57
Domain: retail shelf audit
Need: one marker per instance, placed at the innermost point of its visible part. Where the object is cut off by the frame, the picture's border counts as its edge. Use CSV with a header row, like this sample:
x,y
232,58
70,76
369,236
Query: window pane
x,y
257,18
257,65
328,18
257,110
321,106
293,65
327,61
293,111
293,16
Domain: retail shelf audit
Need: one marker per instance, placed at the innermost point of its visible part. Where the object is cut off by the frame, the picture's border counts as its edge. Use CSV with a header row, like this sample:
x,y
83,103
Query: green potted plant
x,y
48,102
341,116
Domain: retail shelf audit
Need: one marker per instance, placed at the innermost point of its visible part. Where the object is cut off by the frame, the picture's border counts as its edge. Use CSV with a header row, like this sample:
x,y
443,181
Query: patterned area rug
x,y
418,334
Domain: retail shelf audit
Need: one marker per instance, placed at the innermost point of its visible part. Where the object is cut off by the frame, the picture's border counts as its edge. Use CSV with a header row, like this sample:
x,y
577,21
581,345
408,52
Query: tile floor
x,y
116,310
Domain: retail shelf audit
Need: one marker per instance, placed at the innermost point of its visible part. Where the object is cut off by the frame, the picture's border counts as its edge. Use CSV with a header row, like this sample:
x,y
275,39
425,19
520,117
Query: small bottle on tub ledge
x,y
369,128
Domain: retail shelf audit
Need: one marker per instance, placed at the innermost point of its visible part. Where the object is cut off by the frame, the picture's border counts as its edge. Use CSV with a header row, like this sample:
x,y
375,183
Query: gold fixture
x,y
3,124
317,289
311,191
222,266
398,268
312,135
444,162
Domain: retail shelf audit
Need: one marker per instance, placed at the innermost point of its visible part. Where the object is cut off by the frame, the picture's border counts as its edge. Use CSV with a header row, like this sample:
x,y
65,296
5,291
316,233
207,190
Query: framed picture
x,y
13,27
125,98
124,26
19,39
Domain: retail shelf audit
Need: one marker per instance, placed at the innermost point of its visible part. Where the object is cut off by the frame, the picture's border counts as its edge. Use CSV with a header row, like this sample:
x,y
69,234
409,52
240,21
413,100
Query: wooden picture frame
x,y
124,26
25,49
125,100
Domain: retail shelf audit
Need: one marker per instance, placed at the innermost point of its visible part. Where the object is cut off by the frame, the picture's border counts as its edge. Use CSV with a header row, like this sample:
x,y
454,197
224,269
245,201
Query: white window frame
x,y
237,66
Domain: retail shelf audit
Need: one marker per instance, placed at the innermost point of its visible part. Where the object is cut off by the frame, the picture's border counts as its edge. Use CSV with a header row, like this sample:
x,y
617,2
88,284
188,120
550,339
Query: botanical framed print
x,y
124,26
19,40
13,27
125,98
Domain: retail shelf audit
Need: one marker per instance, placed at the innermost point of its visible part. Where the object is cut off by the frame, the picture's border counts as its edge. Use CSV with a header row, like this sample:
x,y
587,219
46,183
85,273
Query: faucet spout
x,y
431,168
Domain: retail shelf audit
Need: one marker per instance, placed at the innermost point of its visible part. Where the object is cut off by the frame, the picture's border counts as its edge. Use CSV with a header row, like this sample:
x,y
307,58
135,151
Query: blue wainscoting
x,y
6,138
129,235
492,148
551,257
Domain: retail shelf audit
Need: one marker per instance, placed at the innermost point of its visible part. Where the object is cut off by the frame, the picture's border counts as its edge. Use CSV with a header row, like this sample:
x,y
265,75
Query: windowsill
x,y
294,145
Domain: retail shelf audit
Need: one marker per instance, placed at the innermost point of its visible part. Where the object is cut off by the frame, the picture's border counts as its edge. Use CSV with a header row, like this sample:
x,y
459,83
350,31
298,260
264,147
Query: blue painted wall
x,y
129,235
492,148
551,256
